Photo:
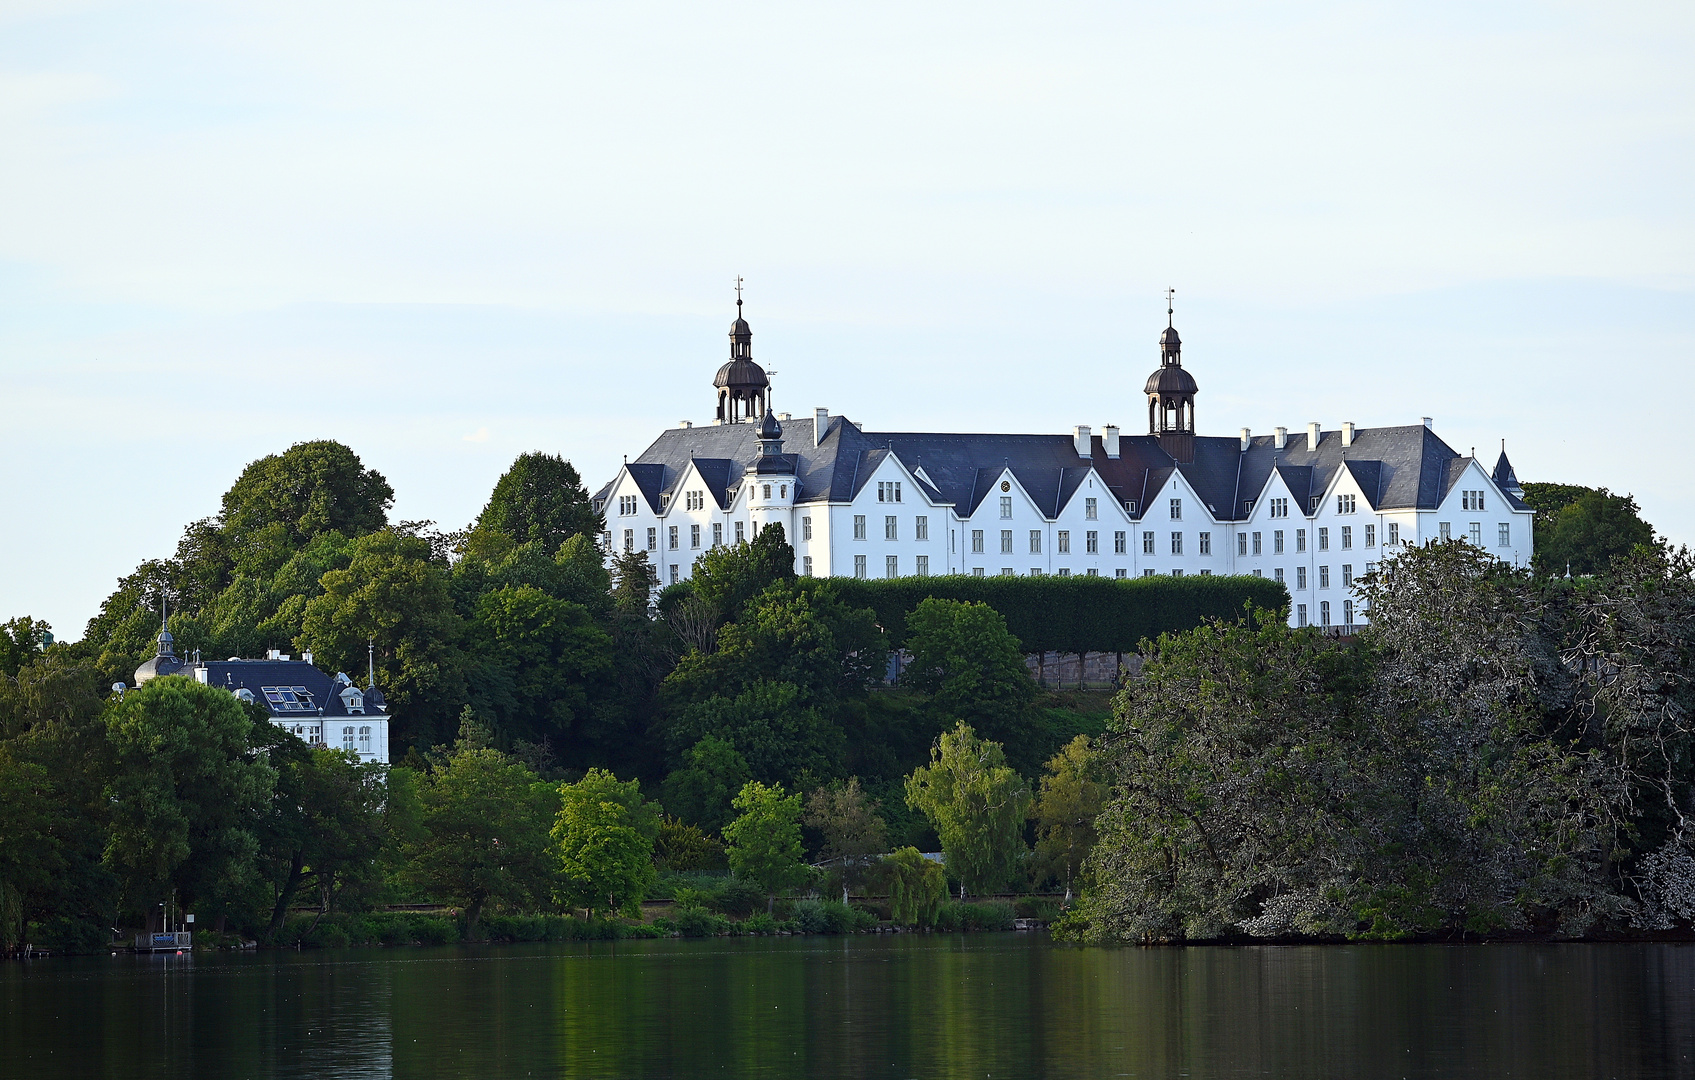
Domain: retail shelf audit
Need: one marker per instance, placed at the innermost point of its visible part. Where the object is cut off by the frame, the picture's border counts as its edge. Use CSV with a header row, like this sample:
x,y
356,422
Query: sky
x,y
447,234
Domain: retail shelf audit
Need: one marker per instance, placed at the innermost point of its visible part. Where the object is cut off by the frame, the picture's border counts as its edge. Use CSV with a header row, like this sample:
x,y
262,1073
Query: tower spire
x,y
1169,294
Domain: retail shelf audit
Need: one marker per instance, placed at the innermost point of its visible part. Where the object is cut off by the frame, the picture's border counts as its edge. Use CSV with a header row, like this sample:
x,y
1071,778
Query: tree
x,y
21,642
683,848
606,834
917,888
30,855
483,833
977,805
726,577
1582,528
763,843
185,791
538,660
1067,803
702,790
973,668
852,830
634,581
540,500
283,500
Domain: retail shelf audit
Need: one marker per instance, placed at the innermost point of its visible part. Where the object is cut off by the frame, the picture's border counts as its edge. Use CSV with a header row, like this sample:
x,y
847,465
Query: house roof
x,y
320,690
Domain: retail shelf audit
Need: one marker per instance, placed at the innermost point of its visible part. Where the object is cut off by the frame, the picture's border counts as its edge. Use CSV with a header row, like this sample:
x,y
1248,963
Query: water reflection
x,y
931,1006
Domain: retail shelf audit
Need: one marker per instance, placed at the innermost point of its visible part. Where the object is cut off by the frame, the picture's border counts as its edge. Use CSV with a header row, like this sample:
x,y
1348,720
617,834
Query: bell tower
x,y
1171,394
744,390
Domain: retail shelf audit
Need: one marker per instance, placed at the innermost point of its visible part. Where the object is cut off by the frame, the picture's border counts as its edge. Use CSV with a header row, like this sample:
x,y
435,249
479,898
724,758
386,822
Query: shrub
x,y
830,917
991,915
435,931
759,923
692,921
70,936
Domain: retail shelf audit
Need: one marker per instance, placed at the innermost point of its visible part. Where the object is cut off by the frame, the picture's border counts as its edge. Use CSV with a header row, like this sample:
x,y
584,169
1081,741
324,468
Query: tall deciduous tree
x,y
1068,801
283,500
973,668
852,830
605,834
726,577
763,843
977,805
917,888
541,500
1582,528
701,791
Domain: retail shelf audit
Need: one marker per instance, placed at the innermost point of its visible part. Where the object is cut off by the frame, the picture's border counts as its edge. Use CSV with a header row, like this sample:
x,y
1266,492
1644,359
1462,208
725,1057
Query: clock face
x,y
1006,485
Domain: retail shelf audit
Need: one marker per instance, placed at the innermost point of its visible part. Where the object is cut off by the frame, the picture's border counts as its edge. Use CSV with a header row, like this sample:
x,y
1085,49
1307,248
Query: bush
x,y
759,923
726,896
692,921
70,936
435,931
992,915
830,917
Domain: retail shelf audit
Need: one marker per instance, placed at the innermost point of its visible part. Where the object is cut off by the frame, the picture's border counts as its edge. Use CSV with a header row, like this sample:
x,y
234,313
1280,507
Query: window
x,y
976,571
1259,547
365,739
1476,531
1006,541
1089,509
717,534
694,500
1206,573
1092,542
741,531
890,530
1324,577
888,491
1394,532
1300,539
1147,543
1148,573
1300,577
1504,535
1445,530
1344,504
606,539
629,539
891,566
859,566
977,541
1324,539
1035,541
1177,573
1471,500
1091,572
1324,613
1347,536
347,738
1278,574
1206,543
921,528
923,566
674,577
859,526
1347,575
675,537
1177,543
1241,543
653,539
1006,506
1130,507
806,565
1280,508
1063,572
1007,571
1277,542
1301,614
1176,509
1371,536
1120,543
1348,614
626,505
1064,540
1121,572
767,494
1258,572
806,527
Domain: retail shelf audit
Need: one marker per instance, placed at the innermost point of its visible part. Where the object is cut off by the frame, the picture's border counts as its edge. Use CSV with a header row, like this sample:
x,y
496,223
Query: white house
x,y
1313,508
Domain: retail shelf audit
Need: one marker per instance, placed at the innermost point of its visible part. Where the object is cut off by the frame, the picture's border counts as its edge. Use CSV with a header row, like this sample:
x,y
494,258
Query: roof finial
x,y
738,296
1169,293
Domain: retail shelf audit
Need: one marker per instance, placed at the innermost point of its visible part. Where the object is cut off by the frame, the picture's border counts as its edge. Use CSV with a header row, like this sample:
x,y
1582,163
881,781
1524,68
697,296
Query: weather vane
x,y
1169,293
738,290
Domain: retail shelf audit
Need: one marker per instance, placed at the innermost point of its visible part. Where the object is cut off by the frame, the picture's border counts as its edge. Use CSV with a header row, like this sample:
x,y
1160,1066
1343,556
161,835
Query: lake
x,y
985,1005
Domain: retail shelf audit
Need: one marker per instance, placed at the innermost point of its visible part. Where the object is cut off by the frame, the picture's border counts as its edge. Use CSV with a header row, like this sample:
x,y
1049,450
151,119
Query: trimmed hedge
x,y
1069,614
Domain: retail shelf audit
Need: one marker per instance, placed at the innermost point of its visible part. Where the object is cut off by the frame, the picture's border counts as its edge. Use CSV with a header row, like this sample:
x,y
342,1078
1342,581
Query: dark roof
x,y
1397,467
1171,379
740,374
255,675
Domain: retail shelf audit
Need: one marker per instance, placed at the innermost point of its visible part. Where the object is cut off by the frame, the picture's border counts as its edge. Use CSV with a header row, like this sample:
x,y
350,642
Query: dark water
x,y
989,1005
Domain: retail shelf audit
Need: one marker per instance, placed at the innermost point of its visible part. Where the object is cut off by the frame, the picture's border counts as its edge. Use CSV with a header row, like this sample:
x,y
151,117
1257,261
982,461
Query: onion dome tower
x,y
743,388
1171,395
165,662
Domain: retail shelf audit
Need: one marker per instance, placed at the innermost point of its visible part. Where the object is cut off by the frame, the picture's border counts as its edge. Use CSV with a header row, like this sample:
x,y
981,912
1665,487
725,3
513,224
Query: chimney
x,y
1080,439
1347,433
1312,436
1429,423
1281,439
1246,439
783,416
820,425
685,423
1110,439
306,656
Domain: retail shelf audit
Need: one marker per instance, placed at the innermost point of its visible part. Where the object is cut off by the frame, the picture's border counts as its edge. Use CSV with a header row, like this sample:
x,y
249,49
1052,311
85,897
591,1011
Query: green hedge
x,y
1070,614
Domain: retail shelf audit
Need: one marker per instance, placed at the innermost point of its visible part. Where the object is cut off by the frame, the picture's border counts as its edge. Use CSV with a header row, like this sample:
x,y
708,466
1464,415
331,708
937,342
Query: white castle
x,y
1314,509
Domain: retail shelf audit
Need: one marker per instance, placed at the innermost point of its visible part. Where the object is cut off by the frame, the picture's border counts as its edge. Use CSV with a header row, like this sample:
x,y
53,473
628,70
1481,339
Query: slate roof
x,y
1397,467
255,675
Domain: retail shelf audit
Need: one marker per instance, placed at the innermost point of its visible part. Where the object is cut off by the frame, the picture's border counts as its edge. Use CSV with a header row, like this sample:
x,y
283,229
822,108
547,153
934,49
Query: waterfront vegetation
x,y
582,755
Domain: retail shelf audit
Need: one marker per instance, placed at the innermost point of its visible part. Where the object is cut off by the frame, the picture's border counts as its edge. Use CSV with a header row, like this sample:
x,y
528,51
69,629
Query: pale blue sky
x,y
449,233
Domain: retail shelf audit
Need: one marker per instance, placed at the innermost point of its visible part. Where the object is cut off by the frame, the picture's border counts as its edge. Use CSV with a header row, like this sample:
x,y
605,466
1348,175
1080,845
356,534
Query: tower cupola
x,y
743,388
1171,394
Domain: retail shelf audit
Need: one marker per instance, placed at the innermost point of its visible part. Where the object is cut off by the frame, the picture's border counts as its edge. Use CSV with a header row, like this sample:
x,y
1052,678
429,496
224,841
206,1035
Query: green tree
x,y
21,642
540,500
482,833
634,581
283,500
1068,801
977,805
538,659
853,832
973,668
683,848
185,791
763,843
606,833
30,855
1582,528
726,577
701,791
917,888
